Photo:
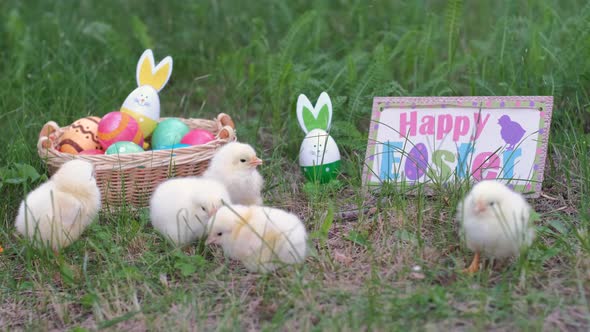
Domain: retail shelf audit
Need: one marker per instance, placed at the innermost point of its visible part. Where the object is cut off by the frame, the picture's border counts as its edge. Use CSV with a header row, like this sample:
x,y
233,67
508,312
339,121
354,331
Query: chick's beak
x,y
255,161
210,240
480,206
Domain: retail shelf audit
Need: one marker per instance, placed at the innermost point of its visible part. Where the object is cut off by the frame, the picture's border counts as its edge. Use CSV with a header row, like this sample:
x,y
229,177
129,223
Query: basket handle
x,y
227,133
226,120
47,135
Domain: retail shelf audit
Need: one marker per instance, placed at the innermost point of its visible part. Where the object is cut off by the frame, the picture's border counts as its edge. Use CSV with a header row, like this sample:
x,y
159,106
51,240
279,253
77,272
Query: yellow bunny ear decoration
x,y
143,103
149,74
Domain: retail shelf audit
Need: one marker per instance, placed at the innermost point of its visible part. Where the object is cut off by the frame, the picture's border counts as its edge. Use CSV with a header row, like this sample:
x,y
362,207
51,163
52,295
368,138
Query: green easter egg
x,y
322,173
123,147
168,133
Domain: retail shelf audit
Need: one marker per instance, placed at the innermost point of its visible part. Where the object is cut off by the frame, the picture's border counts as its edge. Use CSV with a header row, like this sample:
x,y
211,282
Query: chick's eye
x,y
243,160
203,208
492,203
219,234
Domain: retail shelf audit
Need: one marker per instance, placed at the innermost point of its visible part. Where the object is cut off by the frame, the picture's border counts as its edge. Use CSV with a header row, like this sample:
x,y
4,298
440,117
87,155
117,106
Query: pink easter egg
x,y
91,152
197,137
116,127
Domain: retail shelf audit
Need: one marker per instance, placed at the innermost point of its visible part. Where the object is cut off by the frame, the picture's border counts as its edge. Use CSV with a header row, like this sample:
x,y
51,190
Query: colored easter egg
x,y
318,147
80,135
417,162
143,105
319,157
197,137
323,173
118,127
168,133
91,152
175,146
123,148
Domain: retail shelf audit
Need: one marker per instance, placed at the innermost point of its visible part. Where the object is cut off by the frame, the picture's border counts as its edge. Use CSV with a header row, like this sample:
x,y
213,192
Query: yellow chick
x,y
181,207
495,221
58,211
262,238
235,166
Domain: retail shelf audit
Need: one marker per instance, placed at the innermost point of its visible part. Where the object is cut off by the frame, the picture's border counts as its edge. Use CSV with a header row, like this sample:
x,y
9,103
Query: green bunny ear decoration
x,y
321,122
318,117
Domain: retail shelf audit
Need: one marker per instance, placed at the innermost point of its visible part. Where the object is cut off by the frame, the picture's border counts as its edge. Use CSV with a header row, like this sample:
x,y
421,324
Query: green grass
x,y
64,60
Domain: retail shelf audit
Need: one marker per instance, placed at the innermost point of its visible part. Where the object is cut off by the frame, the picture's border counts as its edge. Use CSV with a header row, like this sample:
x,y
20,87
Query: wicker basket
x,y
128,180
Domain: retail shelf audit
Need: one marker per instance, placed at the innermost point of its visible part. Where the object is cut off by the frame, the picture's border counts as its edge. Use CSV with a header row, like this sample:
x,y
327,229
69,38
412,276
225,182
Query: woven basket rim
x,y
51,132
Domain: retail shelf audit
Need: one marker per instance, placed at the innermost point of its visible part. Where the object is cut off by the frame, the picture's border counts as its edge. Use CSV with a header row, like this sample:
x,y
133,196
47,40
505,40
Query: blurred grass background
x,y
65,60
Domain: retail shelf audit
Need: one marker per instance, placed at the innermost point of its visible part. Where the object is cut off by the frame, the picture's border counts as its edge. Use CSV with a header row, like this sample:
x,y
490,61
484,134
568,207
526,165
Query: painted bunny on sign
x,y
143,103
319,156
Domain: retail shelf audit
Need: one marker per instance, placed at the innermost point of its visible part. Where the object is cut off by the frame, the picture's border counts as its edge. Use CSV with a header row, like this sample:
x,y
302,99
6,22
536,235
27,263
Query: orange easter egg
x,y
80,135
117,127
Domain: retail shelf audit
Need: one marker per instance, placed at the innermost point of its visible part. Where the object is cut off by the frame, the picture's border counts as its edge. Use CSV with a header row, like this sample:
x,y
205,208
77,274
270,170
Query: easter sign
x,y
441,139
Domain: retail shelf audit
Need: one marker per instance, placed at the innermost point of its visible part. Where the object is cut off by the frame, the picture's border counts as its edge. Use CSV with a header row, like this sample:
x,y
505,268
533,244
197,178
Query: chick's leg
x,y
474,267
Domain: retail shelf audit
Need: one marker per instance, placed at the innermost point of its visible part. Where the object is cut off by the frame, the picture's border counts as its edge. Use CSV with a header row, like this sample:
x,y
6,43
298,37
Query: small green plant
x,y
325,226
20,173
188,265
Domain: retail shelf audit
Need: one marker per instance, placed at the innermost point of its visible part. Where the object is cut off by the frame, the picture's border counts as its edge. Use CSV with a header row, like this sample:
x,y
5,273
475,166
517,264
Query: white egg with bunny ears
x,y
143,103
319,156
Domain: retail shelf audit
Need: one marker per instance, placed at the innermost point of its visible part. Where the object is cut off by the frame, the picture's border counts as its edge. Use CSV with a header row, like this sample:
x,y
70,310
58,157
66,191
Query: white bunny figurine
x,y
143,103
319,156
